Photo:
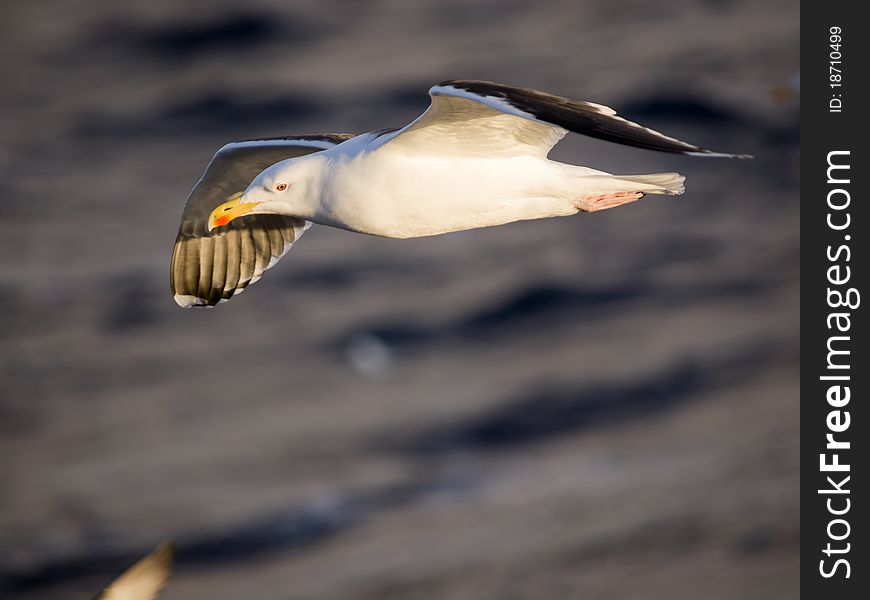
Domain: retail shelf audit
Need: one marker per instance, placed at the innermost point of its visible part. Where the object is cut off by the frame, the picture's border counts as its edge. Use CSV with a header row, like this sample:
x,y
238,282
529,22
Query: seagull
x,y
145,579
477,157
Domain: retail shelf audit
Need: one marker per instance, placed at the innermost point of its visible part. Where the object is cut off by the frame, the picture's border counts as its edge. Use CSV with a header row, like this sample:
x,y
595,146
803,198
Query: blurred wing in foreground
x,y
145,579
209,267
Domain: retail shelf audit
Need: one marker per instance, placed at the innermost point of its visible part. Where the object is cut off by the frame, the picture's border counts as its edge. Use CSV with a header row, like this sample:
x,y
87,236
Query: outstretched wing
x,y
209,267
471,118
145,579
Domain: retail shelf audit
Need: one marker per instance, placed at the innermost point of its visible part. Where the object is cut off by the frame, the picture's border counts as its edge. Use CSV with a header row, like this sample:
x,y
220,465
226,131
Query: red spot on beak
x,y
220,221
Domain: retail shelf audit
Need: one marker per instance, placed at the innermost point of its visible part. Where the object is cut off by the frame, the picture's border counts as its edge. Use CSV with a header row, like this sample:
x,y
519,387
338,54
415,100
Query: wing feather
x,y
206,266
248,259
219,266
234,262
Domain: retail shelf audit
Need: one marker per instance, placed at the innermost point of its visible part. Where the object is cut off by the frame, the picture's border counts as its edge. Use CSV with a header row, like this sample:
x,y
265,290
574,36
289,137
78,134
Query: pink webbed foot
x,y
605,201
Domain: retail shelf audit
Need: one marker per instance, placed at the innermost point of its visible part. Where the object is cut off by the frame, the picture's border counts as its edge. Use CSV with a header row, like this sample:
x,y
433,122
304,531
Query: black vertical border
x,y
821,132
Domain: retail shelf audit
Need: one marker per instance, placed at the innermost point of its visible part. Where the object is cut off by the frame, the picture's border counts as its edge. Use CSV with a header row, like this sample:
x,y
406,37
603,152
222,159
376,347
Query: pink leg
x,y
605,201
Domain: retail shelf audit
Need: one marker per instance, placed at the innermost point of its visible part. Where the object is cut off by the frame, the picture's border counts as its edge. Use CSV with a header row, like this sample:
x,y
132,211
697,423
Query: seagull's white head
x,y
283,189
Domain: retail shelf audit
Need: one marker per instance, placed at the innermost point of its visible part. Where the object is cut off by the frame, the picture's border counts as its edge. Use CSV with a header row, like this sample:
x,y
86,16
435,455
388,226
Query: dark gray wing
x,y
145,579
586,118
211,266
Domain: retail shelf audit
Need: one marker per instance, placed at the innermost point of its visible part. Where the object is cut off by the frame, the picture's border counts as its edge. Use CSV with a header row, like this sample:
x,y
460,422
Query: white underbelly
x,y
408,196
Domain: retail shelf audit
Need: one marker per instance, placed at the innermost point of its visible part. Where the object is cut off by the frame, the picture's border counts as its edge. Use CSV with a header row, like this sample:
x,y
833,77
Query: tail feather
x,y
656,183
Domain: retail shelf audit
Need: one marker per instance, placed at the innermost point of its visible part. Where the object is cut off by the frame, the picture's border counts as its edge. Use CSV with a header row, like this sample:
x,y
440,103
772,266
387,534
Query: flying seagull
x,y
145,579
476,158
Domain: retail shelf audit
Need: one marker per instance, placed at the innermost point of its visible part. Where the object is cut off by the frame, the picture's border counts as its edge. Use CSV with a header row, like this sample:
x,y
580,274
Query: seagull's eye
x,y
281,187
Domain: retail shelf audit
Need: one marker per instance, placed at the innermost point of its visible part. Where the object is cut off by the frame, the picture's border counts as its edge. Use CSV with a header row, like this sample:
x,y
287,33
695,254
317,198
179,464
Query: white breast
x,y
398,195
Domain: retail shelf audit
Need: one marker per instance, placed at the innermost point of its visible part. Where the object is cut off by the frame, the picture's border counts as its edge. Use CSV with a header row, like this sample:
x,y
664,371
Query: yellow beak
x,y
229,210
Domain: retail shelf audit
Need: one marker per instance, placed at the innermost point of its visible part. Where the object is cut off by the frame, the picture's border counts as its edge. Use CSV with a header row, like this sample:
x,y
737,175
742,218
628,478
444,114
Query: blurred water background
x,y
595,407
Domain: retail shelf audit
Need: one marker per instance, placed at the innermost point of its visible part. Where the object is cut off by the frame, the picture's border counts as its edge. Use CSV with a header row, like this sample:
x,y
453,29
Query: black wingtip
x,y
704,153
